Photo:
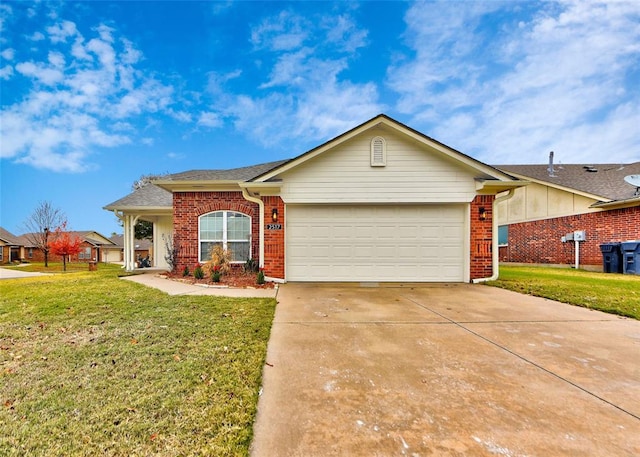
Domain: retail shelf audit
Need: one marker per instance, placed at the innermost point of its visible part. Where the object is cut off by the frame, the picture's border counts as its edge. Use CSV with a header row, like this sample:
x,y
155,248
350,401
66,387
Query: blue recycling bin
x,y
630,257
611,258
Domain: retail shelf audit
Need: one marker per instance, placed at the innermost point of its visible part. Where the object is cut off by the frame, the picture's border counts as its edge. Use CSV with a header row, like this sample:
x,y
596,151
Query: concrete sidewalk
x,y
10,273
171,287
447,370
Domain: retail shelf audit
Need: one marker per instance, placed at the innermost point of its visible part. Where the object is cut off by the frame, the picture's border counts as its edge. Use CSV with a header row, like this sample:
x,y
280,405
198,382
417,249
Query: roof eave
x,y
572,190
198,185
492,186
617,204
142,209
262,188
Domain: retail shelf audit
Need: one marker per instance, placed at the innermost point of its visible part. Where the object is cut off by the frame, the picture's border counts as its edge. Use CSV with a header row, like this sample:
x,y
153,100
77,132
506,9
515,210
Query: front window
x,y
503,235
227,228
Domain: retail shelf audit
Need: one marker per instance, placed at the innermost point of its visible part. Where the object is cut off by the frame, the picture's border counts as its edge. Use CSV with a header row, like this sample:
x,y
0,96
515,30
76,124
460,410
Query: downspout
x,y
495,257
249,197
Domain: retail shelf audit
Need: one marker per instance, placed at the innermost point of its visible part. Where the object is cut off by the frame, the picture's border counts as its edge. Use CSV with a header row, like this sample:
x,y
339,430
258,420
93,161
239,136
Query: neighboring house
x,y
381,202
92,246
562,199
115,253
11,247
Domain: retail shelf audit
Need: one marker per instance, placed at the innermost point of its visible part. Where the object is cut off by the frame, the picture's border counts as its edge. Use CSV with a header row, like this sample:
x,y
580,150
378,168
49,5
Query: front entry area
x,y
380,243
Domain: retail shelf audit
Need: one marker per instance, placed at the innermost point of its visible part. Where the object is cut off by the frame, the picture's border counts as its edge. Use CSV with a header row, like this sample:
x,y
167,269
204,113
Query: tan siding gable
x,y
413,173
537,201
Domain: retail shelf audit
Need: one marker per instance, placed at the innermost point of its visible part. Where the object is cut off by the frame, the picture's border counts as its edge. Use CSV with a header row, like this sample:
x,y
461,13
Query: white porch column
x,y
129,242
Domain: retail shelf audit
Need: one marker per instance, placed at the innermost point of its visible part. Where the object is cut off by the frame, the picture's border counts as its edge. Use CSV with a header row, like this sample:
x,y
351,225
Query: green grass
x,y
611,293
92,364
56,267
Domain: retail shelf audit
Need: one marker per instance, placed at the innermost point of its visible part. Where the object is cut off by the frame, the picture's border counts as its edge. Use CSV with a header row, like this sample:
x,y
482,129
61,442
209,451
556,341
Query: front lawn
x,y
611,293
94,365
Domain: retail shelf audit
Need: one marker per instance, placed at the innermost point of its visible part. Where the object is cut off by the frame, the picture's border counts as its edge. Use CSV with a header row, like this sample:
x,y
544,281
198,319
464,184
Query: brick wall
x,y
481,259
189,206
540,241
38,255
274,239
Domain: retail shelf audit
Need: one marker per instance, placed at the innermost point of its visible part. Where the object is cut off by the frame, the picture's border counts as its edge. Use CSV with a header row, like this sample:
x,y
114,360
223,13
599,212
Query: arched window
x,y
230,229
378,152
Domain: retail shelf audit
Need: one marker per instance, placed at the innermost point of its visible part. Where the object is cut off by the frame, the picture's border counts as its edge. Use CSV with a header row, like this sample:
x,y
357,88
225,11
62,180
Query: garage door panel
x,y
375,243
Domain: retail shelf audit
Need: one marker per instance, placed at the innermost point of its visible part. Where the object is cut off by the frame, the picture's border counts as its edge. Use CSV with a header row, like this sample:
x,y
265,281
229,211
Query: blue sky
x,y
96,94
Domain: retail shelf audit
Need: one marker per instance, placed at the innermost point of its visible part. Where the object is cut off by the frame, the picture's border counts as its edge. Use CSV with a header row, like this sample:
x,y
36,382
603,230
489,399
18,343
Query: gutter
x,y
495,261
252,198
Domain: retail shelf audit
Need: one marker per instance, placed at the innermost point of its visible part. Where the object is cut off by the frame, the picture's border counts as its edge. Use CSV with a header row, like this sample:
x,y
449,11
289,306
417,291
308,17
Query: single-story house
x,y
538,223
380,202
92,247
11,247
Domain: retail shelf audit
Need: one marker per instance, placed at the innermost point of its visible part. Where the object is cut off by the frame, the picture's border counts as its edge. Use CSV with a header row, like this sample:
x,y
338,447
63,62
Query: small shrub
x,y
260,277
251,266
215,274
220,258
198,273
186,271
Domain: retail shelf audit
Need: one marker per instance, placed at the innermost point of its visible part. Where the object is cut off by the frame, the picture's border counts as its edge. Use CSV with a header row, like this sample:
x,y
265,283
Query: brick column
x,y
274,238
481,256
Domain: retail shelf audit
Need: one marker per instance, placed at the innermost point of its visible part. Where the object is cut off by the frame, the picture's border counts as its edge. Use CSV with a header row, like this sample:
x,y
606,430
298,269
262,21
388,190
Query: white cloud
x,y
8,54
284,32
58,33
46,75
209,119
36,36
83,97
304,98
558,80
6,72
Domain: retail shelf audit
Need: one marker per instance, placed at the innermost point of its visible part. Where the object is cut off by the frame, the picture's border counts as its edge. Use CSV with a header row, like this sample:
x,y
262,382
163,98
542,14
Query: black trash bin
x,y
630,257
611,258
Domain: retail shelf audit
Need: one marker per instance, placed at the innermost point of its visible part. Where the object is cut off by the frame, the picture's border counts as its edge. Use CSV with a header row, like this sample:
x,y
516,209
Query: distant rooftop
x,y
604,180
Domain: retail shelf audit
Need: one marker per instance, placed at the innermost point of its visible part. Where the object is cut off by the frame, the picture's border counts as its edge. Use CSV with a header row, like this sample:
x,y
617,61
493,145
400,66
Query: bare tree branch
x,y
40,227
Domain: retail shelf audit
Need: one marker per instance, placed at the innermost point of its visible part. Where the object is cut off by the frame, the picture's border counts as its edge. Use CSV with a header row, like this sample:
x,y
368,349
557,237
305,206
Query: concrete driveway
x,y
446,370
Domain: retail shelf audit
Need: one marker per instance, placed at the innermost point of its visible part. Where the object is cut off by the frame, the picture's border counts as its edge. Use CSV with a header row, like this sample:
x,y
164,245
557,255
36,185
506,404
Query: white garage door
x,y
375,243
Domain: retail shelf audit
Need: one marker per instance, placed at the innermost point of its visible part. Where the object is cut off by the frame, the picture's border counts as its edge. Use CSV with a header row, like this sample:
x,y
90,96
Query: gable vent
x,y
378,152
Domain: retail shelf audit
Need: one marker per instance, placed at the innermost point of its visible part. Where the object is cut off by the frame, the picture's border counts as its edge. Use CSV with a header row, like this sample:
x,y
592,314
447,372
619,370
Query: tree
x,y
39,225
65,244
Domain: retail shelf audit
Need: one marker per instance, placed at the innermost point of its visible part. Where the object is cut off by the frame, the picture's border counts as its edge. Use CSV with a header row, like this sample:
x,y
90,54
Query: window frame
x,y
225,234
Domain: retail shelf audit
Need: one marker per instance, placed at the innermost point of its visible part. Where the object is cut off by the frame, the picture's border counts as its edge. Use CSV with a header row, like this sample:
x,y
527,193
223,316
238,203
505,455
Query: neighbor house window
x,y
503,235
84,254
229,229
30,254
1,254
378,152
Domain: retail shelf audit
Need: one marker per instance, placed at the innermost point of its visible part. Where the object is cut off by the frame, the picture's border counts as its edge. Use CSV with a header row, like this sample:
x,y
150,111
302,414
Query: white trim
x,y
225,235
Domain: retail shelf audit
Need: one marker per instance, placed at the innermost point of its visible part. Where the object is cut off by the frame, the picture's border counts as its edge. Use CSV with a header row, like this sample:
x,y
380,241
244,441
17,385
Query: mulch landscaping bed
x,y
235,278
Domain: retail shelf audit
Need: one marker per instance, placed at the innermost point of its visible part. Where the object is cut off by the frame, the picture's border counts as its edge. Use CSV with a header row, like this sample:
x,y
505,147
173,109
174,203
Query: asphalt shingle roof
x,y
604,180
234,174
147,196
9,238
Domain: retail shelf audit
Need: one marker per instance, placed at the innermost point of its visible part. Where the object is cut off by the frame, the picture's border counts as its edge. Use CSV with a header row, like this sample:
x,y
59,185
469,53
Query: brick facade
x,y
189,206
36,255
481,257
540,241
